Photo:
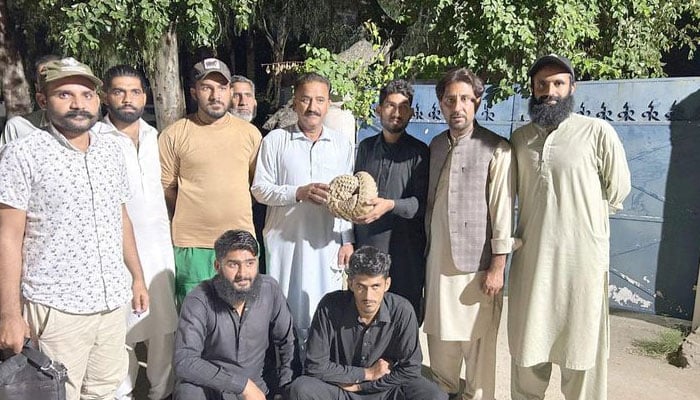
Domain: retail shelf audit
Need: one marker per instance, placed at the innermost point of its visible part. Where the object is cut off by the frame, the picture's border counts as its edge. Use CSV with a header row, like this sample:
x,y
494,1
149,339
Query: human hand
x,y
315,192
13,332
344,254
380,207
492,280
350,387
252,392
377,370
139,301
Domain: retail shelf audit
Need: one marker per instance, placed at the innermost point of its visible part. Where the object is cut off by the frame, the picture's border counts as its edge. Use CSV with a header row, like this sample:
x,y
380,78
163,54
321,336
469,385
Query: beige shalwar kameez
x,y
569,180
461,320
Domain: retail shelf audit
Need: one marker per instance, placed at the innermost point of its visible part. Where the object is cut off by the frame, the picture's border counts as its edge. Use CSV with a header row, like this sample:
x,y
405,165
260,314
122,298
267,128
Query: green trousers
x,y
192,266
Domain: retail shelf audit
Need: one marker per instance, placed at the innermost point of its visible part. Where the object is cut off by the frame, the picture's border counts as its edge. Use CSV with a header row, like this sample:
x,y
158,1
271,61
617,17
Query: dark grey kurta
x,y
401,172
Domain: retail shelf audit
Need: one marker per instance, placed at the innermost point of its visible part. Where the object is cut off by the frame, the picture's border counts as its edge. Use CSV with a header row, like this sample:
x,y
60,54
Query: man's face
x,y
395,113
551,84
125,99
243,101
239,267
459,105
213,95
311,105
71,104
552,100
368,292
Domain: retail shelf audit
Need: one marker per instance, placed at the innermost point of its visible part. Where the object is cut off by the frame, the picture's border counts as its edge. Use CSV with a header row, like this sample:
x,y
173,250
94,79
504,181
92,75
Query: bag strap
x,y
45,364
36,357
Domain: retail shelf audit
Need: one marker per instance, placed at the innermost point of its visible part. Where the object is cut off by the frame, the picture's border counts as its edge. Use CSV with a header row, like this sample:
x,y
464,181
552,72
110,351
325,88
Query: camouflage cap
x,y
64,68
209,65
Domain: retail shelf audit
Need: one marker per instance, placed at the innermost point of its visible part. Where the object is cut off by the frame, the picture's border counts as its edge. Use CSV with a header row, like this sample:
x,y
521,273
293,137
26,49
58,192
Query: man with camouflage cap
x,y
207,164
65,237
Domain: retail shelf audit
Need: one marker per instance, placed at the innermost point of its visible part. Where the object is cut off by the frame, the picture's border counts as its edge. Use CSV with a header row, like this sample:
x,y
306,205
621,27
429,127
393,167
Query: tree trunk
x,y
275,82
164,75
15,88
250,55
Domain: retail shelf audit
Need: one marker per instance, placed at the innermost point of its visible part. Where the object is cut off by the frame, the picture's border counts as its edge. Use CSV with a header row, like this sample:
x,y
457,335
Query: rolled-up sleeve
x,y
501,198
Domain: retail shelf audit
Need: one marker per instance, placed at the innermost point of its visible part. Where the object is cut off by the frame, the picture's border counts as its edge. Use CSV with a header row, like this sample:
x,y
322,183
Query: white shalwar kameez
x,y
151,226
302,239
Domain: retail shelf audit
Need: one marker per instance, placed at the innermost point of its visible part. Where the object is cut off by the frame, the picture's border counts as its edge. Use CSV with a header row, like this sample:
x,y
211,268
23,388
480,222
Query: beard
x,y
232,296
244,115
127,115
68,125
394,127
213,112
550,115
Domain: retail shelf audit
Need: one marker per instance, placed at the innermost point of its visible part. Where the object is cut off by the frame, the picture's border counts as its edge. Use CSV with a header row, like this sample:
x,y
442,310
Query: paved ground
x,y
631,376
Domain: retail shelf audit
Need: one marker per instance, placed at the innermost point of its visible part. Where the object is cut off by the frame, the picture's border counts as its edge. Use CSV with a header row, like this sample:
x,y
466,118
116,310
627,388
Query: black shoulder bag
x,y
31,375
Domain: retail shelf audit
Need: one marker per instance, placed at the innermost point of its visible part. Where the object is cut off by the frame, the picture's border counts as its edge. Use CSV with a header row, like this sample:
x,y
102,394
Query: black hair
x,y
399,86
123,70
308,77
460,75
368,260
235,239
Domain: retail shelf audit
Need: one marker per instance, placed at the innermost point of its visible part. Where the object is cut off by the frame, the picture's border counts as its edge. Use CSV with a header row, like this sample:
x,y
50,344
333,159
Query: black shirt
x,y
339,346
217,348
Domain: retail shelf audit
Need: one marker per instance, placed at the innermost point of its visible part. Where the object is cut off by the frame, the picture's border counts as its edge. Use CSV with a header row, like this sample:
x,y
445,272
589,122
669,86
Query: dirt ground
x,y
630,376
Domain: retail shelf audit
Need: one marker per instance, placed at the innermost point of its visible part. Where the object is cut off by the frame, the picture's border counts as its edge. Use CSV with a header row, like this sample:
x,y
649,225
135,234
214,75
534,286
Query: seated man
x,y
227,322
363,343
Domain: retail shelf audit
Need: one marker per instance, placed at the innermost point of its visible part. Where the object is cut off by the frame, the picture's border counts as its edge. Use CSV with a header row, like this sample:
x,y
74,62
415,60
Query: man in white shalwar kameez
x,y
307,247
572,172
125,99
469,224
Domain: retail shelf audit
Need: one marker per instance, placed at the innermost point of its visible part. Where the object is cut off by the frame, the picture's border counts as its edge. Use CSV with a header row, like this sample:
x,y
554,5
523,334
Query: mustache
x,y
547,98
79,113
312,112
127,108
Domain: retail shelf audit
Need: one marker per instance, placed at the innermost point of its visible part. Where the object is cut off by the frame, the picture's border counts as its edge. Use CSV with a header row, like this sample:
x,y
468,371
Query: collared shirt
x,y
217,348
302,238
569,180
22,125
149,218
340,347
401,172
72,249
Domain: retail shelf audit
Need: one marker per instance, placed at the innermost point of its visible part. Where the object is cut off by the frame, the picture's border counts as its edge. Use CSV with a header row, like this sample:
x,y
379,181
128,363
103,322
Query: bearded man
x,y
572,173
243,103
226,324
398,162
207,164
124,96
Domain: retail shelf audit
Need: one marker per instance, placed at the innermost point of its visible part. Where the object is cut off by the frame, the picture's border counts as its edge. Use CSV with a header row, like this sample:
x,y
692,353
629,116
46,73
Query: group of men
x,y
82,199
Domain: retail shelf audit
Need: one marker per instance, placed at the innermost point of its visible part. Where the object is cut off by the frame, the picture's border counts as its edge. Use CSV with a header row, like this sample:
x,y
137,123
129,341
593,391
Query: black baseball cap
x,y
552,59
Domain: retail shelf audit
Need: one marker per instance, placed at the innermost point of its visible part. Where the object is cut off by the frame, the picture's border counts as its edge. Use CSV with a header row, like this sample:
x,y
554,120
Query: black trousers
x,y
309,388
188,391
